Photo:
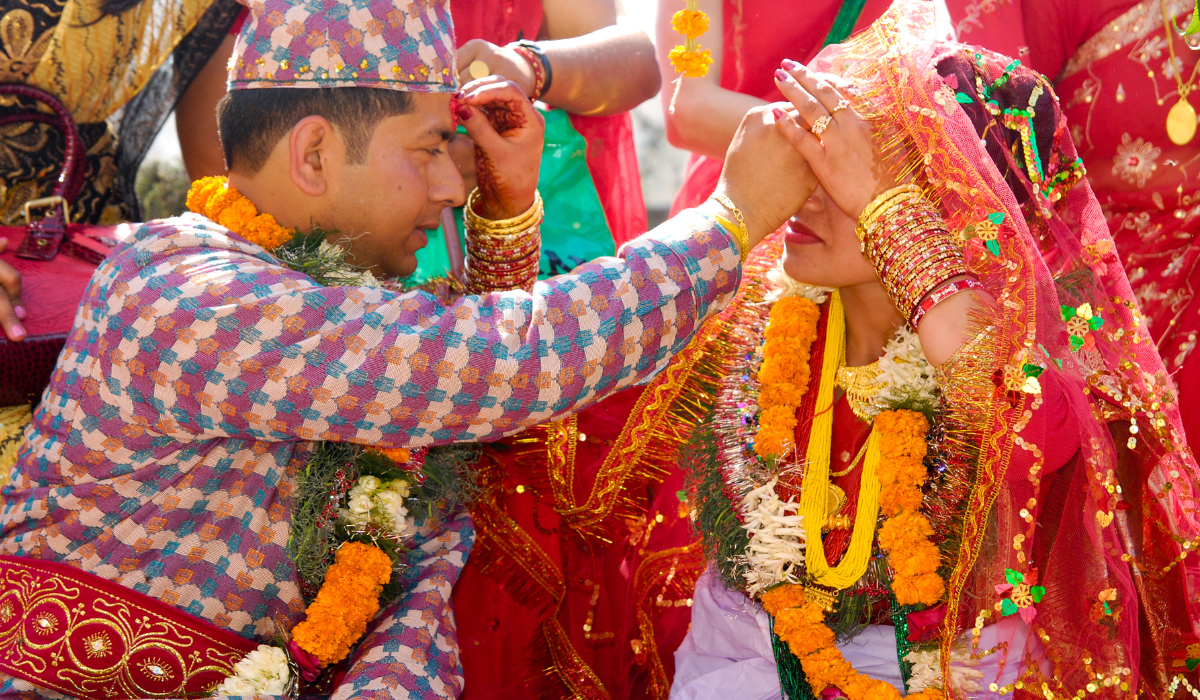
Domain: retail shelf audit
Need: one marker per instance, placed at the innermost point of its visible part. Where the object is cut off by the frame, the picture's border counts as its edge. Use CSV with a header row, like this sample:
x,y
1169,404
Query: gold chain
x,y
1185,89
861,451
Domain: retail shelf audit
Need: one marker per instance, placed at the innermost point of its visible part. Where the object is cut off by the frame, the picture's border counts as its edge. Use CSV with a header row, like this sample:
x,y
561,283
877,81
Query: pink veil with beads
x,y
1109,537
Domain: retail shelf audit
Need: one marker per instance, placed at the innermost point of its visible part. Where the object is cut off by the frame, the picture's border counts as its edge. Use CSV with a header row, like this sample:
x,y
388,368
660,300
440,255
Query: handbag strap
x,y
70,181
45,236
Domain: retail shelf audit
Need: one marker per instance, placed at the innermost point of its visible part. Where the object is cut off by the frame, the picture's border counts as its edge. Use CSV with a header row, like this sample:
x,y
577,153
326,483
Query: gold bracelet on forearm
x,y
742,234
912,251
503,254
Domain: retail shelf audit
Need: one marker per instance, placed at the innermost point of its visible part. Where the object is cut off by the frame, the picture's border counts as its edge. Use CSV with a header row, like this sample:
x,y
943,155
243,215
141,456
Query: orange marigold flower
x,y
781,394
782,598
399,455
894,498
690,23
692,64
926,589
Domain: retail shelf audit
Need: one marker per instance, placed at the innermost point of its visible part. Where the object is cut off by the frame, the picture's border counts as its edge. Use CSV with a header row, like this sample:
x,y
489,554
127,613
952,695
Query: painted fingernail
x,y
20,312
789,64
781,75
463,113
16,332
778,113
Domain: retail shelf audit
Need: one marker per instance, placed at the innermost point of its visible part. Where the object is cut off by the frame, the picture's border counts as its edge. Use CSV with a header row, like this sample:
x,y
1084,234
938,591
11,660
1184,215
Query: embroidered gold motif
x,y
97,645
21,51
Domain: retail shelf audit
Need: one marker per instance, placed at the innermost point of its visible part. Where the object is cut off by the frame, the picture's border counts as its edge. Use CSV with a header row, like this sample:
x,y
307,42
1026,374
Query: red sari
x,y
581,574
1111,67
752,48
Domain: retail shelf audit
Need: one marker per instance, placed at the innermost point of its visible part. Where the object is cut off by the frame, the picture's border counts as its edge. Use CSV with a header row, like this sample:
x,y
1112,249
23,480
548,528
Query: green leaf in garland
x,y
1095,322
1192,664
963,98
1033,370
1193,28
994,247
1076,343
1013,577
1008,607
1068,312
996,218
1038,592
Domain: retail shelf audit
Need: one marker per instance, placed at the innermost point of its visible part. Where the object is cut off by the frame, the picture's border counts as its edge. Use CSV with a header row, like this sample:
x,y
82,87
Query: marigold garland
x,y
213,198
905,536
688,58
347,601
785,372
801,624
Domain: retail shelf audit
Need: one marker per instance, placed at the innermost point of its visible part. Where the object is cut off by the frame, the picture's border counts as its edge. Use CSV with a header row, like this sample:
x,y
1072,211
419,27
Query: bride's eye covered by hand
x,y
832,136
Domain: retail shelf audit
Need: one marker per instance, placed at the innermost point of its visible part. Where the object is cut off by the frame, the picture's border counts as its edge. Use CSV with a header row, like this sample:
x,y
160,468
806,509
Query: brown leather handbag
x,y
56,260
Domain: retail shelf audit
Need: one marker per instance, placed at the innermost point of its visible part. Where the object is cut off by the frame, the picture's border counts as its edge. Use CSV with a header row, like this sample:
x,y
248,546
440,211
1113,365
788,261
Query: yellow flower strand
x,y
688,58
815,489
214,199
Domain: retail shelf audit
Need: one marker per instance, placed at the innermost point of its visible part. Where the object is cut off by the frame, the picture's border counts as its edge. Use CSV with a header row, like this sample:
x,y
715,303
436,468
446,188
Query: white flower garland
x,y
371,500
777,539
904,374
263,671
927,671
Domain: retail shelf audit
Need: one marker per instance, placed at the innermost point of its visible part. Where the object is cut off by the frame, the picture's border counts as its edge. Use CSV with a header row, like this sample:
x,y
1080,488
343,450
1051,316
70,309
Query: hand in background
x,y
501,61
12,309
763,175
508,134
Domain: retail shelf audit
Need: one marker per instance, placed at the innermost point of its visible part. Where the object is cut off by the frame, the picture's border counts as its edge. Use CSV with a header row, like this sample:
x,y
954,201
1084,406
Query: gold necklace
x,y
860,387
1181,120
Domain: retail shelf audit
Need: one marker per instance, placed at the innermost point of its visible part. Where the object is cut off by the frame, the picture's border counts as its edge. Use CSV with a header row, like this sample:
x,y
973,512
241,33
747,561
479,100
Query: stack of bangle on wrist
x,y
503,254
913,253
538,62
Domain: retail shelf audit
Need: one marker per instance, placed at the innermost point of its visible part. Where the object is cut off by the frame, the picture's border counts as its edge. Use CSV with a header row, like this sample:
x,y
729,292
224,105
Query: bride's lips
x,y
797,233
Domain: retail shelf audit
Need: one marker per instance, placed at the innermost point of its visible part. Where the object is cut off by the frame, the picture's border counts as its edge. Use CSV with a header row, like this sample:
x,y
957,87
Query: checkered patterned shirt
x,y
163,454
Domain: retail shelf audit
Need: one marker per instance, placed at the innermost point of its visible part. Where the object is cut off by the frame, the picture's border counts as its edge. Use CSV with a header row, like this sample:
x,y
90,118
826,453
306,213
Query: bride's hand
x,y
843,156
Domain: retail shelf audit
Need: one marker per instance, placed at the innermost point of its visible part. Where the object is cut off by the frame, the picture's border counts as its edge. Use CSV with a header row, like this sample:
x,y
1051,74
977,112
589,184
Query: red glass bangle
x,y
942,294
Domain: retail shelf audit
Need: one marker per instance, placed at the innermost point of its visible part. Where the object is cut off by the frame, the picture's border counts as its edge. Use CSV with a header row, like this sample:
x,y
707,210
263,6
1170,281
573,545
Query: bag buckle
x,y
43,238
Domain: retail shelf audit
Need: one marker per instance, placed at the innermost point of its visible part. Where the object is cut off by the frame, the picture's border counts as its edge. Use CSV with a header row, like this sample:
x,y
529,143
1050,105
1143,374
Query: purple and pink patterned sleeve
x,y
200,335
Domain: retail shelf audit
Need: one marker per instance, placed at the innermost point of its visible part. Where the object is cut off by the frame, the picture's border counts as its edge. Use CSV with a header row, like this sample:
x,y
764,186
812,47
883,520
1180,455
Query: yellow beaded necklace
x,y
814,496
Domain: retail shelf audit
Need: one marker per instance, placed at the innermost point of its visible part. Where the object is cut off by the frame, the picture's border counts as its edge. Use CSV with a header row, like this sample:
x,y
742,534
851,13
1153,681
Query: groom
x,y
164,456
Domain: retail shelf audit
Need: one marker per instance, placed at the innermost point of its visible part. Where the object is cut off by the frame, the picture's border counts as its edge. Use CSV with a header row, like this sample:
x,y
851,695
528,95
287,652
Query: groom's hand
x,y
508,134
764,176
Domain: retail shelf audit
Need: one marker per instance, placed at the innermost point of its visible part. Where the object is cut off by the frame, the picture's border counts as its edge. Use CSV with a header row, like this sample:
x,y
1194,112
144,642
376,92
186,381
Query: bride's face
x,y
822,247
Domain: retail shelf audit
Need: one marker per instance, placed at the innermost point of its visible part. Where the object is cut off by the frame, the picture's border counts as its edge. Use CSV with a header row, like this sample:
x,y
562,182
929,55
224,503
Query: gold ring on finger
x,y
842,104
478,69
821,125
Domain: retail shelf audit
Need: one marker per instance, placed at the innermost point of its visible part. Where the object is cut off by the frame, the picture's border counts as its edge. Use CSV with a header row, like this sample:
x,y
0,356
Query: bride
x,y
944,459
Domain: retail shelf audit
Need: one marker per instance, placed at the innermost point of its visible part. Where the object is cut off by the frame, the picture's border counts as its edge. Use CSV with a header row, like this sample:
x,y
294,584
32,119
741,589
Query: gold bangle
x,y
495,226
872,211
742,235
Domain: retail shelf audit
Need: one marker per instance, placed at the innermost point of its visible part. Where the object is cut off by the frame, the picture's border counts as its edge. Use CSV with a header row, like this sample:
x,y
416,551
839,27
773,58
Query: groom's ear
x,y
315,150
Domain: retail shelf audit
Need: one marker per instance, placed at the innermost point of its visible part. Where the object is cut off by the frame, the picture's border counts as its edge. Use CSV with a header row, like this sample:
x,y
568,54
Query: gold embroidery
x,y
60,645
1139,22
97,646
21,51
87,63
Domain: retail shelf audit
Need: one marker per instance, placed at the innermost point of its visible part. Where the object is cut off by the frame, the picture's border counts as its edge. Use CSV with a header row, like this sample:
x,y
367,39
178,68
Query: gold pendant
x,y
1181,123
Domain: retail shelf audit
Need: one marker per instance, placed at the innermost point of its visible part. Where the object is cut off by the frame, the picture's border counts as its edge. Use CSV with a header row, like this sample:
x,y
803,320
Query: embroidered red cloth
x,y
76,633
